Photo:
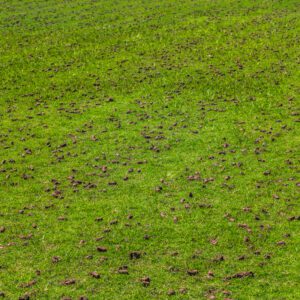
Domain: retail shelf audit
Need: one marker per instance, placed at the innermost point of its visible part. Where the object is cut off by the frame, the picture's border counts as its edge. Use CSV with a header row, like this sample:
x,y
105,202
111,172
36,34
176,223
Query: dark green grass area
x,y
164,132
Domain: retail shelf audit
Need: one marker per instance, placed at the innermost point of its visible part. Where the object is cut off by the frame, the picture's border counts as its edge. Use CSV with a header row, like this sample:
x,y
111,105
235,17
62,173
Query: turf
x,y
149,149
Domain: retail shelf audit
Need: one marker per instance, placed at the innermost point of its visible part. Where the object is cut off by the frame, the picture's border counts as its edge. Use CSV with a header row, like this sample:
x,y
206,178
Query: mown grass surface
x,y
163,131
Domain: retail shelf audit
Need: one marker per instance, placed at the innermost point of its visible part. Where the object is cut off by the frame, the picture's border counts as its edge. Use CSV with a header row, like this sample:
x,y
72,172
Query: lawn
x,y
149,149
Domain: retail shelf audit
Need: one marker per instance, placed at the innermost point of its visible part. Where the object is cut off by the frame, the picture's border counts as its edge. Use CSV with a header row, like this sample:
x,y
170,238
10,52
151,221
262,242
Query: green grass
x,y
92,92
